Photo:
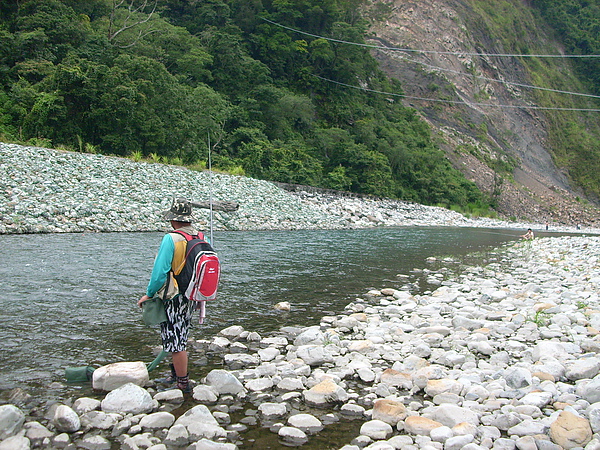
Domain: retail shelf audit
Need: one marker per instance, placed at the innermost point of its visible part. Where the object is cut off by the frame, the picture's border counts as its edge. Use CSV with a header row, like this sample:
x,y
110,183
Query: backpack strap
x,y
189,237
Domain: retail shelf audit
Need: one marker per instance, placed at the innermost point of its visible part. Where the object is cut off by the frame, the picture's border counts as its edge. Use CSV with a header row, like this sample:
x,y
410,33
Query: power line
x,y
455,101
456,53
340,41
501,81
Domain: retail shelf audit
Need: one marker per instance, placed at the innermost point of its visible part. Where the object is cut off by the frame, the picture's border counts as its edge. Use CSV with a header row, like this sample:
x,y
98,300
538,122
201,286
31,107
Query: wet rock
x,y
65,419
112,376
174,396
177,436
310,336
305,422
268,354
129,398
11,421
376,429
37,433
99,420
314,355
232,332
203,394
290,384
259,384
85,404
157,420
224,382
292,435
239,361
272,411
95,442
352,409
200,424
283,306
61,441
15,443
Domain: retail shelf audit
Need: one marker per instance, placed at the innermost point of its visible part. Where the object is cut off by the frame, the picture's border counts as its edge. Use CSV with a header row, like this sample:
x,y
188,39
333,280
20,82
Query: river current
x,y
70,299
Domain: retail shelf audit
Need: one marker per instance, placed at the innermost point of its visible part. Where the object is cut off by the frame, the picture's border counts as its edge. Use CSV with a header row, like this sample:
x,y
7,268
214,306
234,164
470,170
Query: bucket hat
x,y
181,211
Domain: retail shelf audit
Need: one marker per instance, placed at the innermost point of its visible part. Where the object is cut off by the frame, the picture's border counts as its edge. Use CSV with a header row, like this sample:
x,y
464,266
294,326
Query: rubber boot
x,y
184,384
170,379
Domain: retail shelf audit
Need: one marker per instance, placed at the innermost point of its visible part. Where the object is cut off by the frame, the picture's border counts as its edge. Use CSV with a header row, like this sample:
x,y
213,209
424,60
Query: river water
x,y
70,299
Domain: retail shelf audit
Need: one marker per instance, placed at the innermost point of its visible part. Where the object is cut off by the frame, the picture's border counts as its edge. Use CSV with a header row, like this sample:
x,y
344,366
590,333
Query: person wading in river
x,y
179,310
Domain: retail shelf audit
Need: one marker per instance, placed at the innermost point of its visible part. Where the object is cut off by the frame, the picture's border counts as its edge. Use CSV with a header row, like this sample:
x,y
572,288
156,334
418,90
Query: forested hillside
x,y
167,79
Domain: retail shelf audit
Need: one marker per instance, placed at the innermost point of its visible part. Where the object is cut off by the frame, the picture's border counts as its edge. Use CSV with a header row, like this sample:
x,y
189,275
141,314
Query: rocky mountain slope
x,y
479,106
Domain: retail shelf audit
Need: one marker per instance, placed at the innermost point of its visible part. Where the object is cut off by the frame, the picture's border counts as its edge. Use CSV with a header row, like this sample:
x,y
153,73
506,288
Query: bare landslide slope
x,y
502,149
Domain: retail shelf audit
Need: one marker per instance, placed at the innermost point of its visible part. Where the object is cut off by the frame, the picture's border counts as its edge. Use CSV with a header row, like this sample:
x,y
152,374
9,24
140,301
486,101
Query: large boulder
x,y
112,376
314,355
224,382
570,431
310,336
11,421
389,411
324,393
450,415
201,424
66,420
129,398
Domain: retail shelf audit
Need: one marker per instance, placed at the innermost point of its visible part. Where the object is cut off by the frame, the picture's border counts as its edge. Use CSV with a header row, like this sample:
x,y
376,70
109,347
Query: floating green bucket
x,y
79,374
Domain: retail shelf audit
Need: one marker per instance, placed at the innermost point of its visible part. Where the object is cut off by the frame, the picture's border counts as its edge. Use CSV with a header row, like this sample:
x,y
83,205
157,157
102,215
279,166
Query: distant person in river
x,y
179,310
528,236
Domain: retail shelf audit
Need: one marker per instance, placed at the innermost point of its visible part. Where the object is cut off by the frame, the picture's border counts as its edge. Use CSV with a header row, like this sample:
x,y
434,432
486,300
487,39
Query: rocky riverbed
x,y
52,191
504,357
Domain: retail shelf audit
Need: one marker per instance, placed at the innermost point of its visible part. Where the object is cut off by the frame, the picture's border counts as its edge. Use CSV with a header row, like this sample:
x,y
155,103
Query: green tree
x,y
283,162
165,78
49,30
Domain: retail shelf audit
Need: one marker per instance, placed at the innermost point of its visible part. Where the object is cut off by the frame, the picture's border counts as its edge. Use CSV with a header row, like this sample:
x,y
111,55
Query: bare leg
x,y
180,362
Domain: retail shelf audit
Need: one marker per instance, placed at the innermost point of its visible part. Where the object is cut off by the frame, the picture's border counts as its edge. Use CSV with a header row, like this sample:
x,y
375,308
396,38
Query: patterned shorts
x,y
174,332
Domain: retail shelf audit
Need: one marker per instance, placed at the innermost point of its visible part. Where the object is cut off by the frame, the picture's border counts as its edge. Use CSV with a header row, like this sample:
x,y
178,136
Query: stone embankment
x,y
51,191
507,356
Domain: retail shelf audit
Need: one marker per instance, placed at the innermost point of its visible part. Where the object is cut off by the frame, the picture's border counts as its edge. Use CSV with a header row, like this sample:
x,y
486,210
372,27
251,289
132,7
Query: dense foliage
x,y
167,79
577,23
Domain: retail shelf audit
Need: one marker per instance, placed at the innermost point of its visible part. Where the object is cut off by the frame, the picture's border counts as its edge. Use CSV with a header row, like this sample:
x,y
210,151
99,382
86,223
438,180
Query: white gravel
x,y
53,191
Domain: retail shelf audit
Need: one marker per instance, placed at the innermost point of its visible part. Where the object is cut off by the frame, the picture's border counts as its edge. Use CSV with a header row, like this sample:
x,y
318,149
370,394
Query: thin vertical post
x,y
210,193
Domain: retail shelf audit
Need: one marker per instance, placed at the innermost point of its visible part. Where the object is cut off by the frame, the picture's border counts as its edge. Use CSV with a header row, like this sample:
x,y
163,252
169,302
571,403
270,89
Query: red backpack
x,y
199,279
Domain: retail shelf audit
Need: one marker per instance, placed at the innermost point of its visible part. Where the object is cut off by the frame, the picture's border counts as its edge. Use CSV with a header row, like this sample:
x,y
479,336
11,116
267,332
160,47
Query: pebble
x,y
537,388
504,357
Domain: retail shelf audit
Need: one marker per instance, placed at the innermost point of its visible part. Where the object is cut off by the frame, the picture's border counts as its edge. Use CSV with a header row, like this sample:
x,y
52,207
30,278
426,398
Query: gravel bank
x,y
505,357
51,191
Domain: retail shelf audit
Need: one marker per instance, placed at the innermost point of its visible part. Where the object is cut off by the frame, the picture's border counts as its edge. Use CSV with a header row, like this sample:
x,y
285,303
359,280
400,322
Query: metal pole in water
x,y
210,199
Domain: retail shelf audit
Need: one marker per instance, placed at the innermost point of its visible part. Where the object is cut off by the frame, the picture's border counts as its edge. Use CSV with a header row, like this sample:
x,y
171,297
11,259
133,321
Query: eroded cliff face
x,y
478,105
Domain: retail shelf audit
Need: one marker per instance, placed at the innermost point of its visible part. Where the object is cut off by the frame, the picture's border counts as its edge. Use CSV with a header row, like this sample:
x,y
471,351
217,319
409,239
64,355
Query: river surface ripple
x,y
70,299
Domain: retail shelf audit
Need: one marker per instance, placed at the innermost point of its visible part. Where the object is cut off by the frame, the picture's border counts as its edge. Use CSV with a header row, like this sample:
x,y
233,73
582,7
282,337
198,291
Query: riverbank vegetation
x,y
167,80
